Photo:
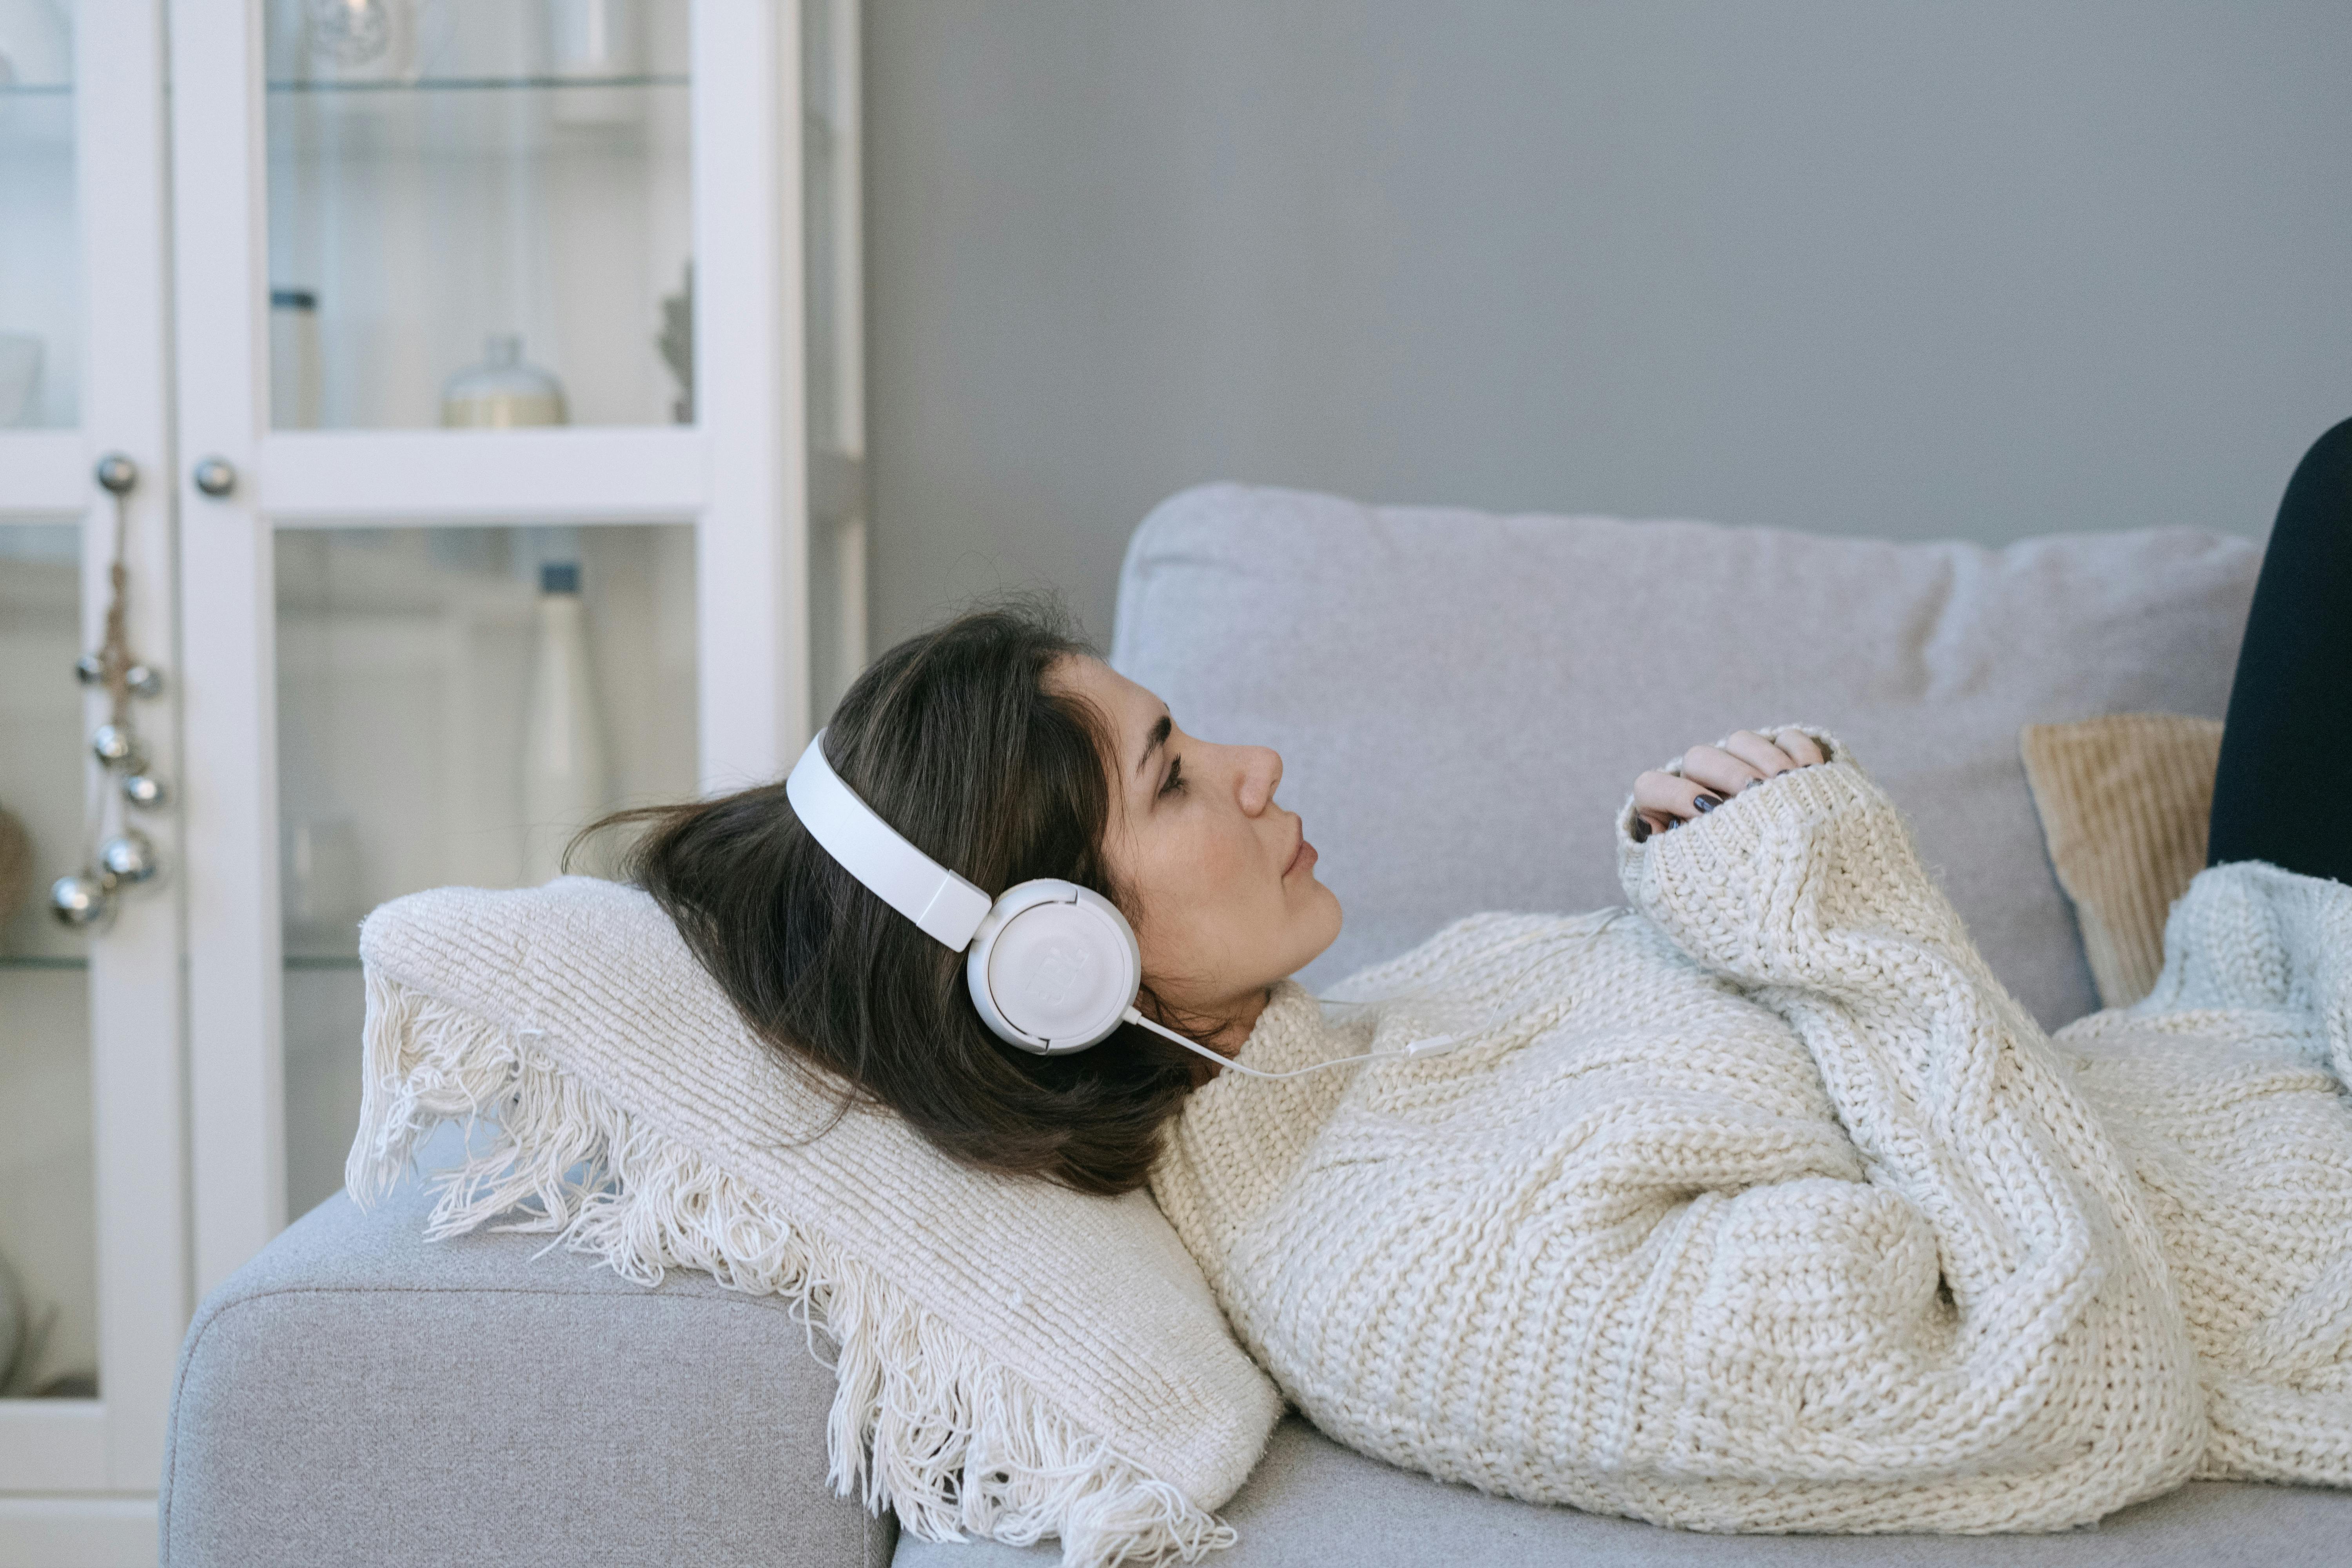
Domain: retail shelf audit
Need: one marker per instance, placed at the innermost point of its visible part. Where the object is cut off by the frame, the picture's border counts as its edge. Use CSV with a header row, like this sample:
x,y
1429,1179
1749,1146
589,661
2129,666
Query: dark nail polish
x,y
1707,802
1641,830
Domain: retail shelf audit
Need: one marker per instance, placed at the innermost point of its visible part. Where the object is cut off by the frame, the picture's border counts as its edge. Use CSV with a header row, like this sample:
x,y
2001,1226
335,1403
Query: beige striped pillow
x,y
2124,801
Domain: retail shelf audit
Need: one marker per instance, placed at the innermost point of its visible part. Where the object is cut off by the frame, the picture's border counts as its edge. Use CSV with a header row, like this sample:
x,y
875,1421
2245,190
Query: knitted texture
x,y
2124,800
2225,1087
1013,1359
1765,1208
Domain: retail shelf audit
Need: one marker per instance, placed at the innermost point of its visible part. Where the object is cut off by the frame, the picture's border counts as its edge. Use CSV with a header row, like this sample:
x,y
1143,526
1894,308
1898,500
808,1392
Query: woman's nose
x,y
1261,772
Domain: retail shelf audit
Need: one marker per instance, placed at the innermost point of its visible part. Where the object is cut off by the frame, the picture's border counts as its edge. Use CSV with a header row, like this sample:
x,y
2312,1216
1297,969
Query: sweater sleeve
x,y
1807,891
1997,1251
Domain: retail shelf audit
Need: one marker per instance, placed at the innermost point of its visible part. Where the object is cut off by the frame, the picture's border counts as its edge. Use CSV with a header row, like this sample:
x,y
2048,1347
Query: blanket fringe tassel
x,y
923,1420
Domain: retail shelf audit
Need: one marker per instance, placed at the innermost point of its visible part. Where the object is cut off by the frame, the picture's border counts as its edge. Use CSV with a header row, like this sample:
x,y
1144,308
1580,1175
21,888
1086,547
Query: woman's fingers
x,y
1801,746
1760,753
1748,758
1664,799
1726,772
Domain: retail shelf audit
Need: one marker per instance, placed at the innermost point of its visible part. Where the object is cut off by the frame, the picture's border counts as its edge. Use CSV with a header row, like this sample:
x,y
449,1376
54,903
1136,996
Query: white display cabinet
x,y
489,376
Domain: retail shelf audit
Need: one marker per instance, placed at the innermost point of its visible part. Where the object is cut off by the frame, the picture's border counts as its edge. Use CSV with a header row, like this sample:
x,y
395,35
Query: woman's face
x,y
1221,877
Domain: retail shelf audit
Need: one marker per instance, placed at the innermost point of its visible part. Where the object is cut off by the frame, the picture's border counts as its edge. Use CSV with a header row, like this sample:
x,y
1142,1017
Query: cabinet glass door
x,y
479,213
48,1220
453,704
48,1266
40,239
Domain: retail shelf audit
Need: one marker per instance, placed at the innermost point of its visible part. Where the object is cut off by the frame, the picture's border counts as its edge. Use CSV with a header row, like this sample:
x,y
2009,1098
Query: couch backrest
x,y
1462,701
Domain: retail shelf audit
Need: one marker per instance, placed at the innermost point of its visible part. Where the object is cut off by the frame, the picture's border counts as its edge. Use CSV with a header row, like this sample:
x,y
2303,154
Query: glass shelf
x,y
413,692
483,83
47,1165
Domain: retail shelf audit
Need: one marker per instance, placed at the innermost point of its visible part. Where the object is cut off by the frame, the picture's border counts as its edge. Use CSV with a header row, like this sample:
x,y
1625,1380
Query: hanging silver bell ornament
x,y
128,857
113,745
80,900
145,791
145,680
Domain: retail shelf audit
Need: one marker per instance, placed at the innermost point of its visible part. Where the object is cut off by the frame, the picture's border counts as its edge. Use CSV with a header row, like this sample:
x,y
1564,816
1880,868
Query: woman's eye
x,y
1175,780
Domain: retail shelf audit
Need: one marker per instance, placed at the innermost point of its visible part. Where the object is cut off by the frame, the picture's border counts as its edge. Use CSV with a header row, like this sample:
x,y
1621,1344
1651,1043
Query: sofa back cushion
x,y
1462,701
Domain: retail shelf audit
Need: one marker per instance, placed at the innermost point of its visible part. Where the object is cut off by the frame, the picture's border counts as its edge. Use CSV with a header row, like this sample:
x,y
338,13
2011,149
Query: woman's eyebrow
x,y
1159,733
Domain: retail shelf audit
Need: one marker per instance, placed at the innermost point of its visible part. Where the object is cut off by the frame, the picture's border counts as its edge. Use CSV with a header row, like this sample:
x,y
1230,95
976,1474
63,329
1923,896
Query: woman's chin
x,y
1328,904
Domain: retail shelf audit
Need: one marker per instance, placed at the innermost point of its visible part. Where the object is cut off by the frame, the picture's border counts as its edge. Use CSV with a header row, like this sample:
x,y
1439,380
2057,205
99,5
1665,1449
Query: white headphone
x,y
1053,967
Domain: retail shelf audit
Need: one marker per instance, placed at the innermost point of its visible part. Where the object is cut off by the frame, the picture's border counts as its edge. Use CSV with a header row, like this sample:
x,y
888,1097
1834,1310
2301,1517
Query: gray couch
x,y
1462,701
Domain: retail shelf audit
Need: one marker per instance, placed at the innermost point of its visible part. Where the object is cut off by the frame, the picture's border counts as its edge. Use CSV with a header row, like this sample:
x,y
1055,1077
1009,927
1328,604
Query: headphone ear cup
x,y
1054,967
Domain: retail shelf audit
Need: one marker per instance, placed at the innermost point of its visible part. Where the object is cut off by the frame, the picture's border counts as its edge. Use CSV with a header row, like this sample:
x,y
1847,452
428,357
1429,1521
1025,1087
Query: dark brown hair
x,y
955,739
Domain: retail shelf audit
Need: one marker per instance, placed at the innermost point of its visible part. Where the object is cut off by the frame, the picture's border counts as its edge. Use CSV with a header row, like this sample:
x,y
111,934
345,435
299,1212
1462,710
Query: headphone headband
x,y
947,908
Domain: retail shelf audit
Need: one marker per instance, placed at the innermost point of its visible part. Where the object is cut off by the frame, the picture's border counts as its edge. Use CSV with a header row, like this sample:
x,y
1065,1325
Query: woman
x,y
1762,1207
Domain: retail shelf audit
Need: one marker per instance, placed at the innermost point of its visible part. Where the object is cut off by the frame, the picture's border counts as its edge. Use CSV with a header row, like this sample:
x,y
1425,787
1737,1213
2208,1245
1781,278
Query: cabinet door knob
x,y
117,473
215,476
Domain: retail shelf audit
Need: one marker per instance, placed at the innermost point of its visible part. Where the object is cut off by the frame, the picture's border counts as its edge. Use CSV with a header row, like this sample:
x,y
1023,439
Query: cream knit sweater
x,y
1766,1208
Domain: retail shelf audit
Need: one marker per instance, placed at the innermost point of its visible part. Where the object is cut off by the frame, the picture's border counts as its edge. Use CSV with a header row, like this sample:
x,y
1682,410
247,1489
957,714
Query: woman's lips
x,y
1303,857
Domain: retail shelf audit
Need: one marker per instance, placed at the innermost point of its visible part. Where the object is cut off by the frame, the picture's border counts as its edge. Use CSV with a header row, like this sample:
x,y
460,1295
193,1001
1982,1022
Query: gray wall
x,y
1979,269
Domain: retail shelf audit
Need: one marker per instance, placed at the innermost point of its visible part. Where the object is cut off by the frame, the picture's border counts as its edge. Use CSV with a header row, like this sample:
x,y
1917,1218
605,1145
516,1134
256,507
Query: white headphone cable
x,y
1419,1047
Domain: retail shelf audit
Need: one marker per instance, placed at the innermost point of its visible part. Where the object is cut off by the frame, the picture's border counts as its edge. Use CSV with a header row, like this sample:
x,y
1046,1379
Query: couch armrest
x,y
356,1394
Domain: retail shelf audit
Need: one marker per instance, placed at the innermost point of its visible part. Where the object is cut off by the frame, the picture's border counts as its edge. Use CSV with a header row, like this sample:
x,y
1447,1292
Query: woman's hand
x,y
1713,774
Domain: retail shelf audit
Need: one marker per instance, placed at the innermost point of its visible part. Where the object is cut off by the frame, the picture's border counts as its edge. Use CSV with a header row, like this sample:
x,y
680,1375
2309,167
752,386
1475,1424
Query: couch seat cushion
x,y
1311,1501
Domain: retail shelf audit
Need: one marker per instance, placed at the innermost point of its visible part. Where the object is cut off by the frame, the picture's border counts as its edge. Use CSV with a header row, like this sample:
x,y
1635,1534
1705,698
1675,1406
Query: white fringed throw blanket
x,y
1015,1359
1766,1208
